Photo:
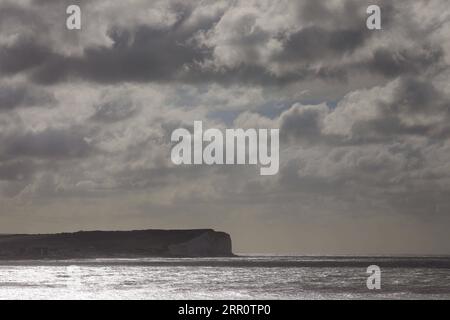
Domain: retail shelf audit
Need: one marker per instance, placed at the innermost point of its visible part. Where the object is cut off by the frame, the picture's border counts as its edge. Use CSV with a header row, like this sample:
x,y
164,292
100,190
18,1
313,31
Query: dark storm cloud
x,y
138,54
314,43
12,14
21,95
145,53
414,97
302,124
16,170
47,144
418,95
22,55
392,63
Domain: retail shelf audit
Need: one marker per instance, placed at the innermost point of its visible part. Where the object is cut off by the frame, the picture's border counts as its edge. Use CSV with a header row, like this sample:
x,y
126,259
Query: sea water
x,y
226,278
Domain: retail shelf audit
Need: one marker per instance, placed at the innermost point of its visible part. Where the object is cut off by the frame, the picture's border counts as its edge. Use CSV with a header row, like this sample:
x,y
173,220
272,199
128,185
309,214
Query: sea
x,y
244,277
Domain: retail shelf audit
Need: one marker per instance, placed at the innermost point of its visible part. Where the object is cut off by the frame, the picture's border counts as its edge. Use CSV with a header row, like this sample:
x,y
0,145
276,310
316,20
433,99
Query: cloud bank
x,y
86,117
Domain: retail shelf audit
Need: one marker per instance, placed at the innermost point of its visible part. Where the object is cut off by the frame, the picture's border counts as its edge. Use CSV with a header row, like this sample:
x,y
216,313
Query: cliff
x,y
116,244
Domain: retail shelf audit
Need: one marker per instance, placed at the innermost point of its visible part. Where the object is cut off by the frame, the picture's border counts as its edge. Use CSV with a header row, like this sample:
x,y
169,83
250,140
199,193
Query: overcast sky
x,y
364,118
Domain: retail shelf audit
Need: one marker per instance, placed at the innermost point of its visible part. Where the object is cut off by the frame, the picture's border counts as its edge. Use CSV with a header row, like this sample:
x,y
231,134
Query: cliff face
x,y
110,244
208,244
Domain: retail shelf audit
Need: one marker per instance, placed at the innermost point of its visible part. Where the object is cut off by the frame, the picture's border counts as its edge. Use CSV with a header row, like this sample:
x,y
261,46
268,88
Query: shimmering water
x,y
225,278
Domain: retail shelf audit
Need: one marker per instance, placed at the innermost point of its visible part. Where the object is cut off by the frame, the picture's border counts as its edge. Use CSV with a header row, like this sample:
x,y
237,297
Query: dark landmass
x,y
116,244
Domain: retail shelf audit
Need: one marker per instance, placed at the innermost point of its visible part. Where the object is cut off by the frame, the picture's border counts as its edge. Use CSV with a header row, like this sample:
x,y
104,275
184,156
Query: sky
x,y
364,118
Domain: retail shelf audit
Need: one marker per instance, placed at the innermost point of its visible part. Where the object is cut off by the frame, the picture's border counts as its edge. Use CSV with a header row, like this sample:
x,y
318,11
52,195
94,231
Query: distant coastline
x,y
116,244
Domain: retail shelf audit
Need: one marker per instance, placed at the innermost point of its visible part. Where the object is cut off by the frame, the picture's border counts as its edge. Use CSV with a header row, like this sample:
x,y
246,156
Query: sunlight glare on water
x,y
138,279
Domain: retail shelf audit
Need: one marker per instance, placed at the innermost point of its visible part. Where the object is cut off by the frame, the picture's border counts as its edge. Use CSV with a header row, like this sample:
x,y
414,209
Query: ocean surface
x,y
256,277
